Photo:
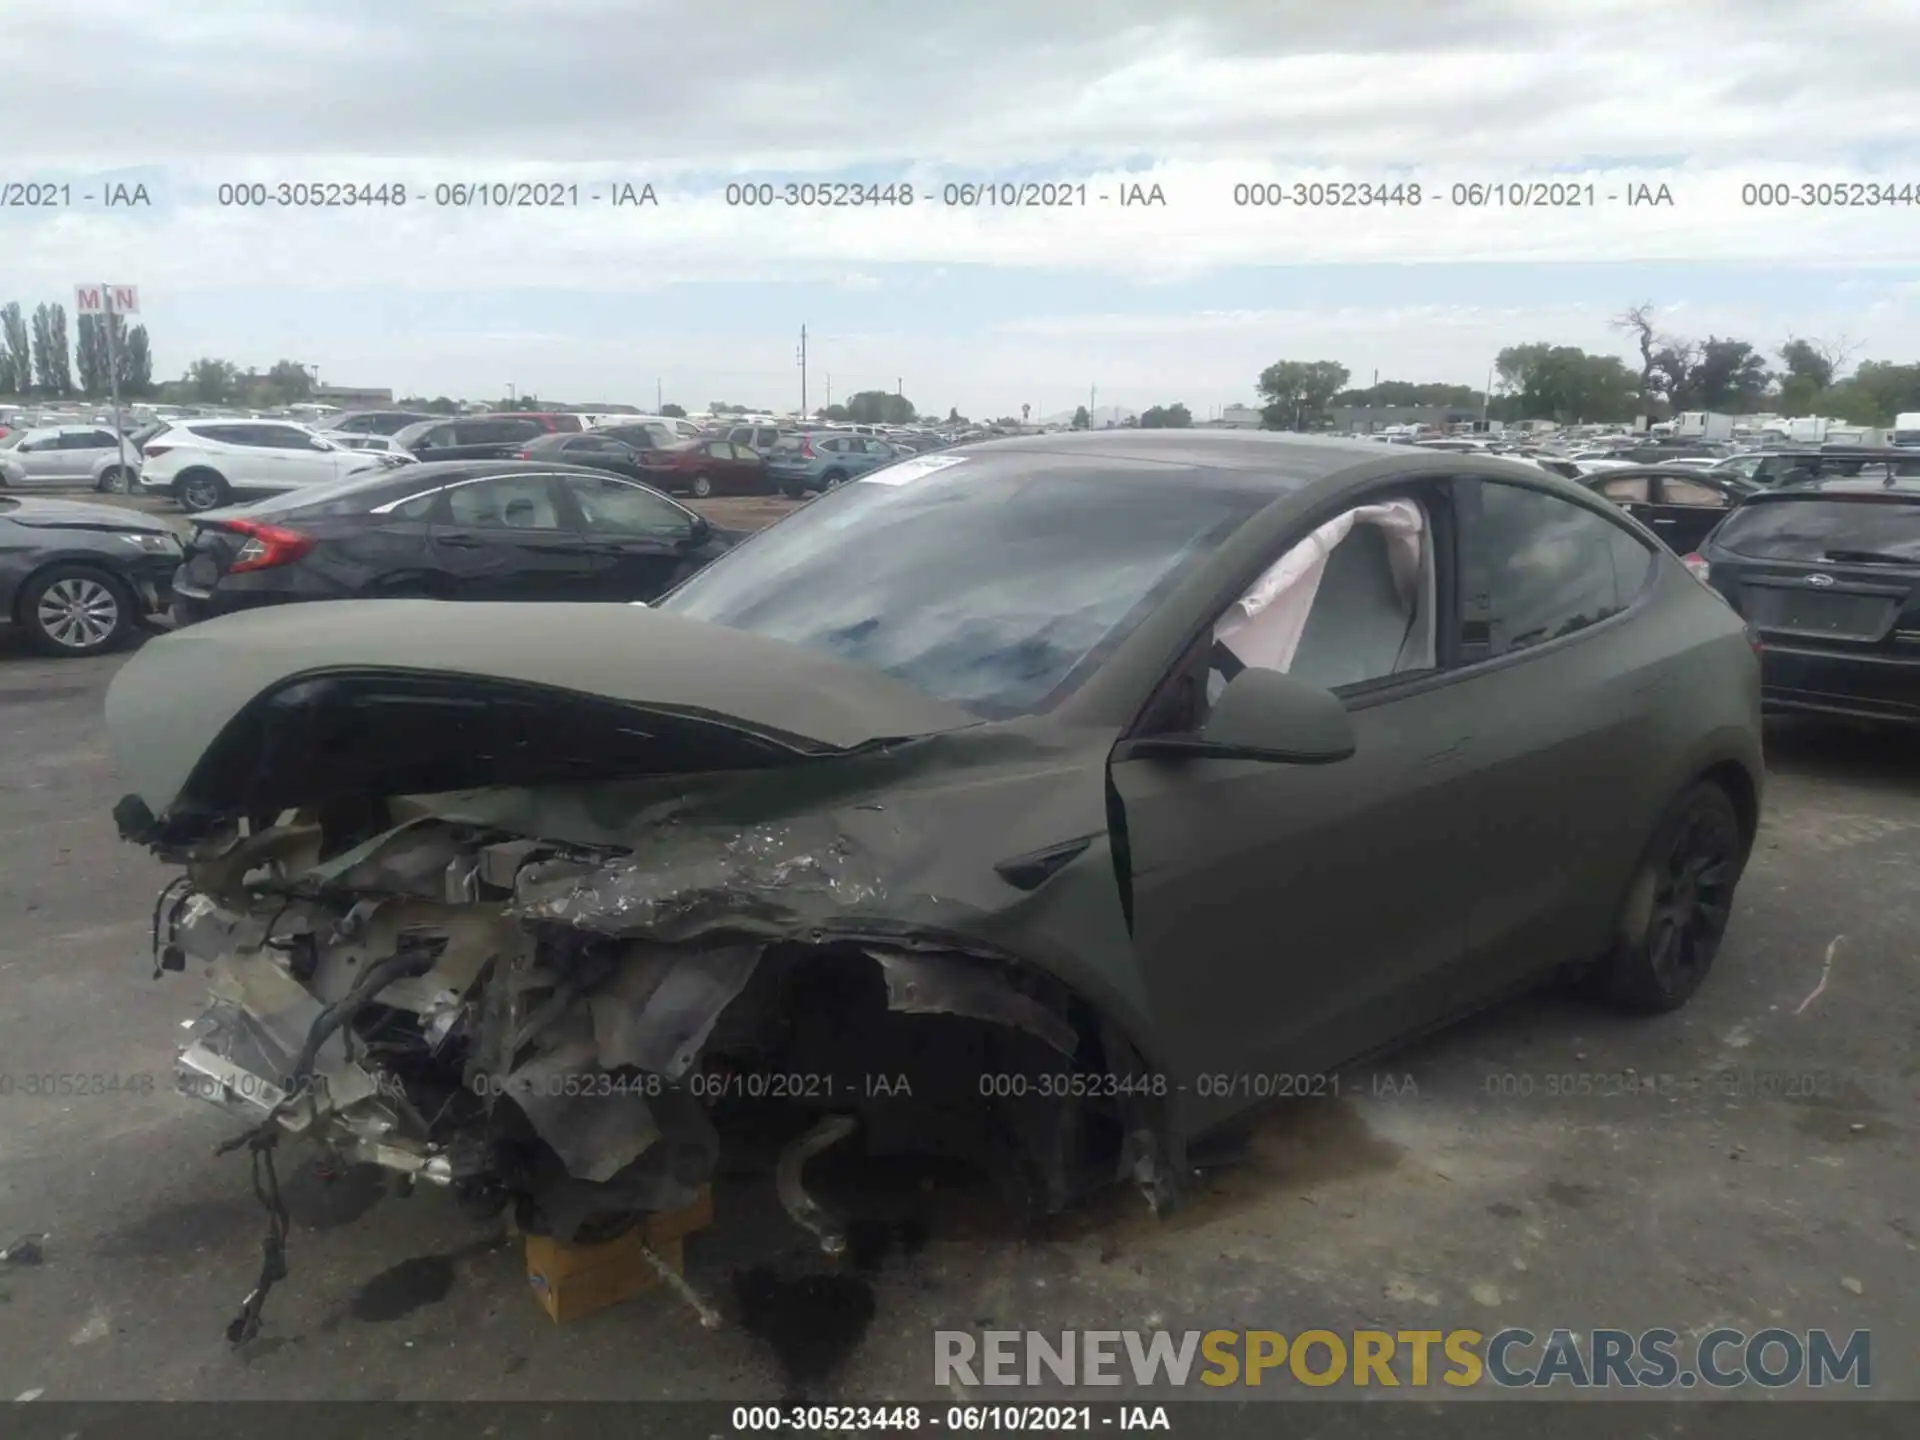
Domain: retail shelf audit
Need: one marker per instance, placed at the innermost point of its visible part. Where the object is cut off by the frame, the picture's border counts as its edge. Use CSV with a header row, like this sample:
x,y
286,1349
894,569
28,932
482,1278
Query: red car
x,y
707,467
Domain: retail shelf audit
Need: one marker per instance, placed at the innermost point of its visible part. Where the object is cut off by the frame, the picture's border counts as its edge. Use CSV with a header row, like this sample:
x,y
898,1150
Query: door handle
x,y
1446,754
458,541
1666,522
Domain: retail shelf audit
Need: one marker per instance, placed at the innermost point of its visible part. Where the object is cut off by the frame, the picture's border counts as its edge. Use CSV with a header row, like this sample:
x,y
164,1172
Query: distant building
x,y
1367,419
1239,417
351,395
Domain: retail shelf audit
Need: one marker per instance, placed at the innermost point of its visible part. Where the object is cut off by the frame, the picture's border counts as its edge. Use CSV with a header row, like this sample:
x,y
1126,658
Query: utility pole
x,y
659,396
110,317
829,390
1093,402
803,372
1486,401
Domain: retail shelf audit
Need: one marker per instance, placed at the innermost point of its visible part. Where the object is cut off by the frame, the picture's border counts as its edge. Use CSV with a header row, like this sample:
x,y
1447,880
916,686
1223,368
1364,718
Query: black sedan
x,y
470,437
1829,576
500,530
1678,504
601,452
79,578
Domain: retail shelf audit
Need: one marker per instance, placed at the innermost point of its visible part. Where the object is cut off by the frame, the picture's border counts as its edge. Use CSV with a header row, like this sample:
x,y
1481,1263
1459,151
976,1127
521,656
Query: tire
x,y
834,479
1675,912
199,490
702,487
115,480
74,610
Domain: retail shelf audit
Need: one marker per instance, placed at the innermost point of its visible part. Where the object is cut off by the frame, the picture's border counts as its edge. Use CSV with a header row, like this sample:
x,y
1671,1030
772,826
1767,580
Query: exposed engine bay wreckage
x,y
493,932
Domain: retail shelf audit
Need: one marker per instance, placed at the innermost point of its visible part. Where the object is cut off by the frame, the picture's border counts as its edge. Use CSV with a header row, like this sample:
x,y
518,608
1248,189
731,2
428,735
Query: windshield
x,y
1814,529
992,581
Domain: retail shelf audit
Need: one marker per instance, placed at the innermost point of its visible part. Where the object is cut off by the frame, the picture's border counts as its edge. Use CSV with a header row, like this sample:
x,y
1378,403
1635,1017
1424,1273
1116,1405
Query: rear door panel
x,y
481,552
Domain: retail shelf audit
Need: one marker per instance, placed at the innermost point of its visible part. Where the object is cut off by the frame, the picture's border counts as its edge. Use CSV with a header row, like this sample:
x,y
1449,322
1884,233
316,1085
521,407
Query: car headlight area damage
x,y
545,946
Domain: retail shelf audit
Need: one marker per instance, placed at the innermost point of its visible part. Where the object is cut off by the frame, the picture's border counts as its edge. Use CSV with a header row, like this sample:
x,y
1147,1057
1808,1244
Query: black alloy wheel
x,y
1677,910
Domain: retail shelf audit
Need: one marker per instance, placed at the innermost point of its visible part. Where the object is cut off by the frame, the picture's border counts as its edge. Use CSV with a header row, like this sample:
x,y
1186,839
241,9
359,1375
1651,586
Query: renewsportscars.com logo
x,y
1388,1359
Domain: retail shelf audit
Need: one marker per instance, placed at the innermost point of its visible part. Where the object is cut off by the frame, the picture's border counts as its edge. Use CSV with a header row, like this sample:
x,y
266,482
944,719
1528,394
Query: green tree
x,y
290,381
1638,321
1298,392
1729,376
954,417
879,407
723,407
1875,393
673,411
136,364
1408,392
1808,369
92,356
1082,420
1166,417
835,413
52,360
1565,383
18,341
9,383
213,382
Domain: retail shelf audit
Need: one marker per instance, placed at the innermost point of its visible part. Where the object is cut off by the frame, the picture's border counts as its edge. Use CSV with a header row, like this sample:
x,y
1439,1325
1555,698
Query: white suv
x,y
67,455
204,464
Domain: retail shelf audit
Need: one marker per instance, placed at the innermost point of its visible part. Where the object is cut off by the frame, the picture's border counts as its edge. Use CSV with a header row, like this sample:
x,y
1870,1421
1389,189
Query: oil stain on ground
x,y
401,1289
813,1313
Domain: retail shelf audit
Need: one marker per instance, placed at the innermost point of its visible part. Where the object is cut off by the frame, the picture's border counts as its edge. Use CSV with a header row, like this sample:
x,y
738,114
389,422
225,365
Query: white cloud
x,y
1706,98
1481,212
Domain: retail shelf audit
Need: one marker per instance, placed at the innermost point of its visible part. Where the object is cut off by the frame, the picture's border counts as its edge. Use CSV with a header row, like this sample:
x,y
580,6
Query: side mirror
x,y
1263,715
701,532
1267,715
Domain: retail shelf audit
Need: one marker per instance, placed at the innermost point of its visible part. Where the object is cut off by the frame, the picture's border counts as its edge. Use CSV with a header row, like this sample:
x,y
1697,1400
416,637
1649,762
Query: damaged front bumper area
x,y
568,1029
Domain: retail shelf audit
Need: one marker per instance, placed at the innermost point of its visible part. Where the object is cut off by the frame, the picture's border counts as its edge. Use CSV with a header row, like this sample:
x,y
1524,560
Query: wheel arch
x,y
1743,789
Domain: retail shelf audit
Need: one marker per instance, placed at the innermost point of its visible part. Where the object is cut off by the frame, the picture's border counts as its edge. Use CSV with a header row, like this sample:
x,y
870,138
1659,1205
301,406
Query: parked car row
x,y
452,530
1825,562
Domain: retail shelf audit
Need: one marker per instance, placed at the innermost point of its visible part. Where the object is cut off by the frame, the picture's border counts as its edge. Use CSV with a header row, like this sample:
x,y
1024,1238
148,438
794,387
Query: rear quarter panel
x,y
1704,679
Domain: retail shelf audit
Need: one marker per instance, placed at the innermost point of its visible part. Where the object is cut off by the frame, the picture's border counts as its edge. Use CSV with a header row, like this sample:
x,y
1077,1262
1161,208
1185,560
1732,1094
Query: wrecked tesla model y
x,y
1038,804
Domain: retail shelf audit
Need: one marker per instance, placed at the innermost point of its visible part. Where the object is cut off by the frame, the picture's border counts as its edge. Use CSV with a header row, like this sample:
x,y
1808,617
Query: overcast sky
x,y
979,307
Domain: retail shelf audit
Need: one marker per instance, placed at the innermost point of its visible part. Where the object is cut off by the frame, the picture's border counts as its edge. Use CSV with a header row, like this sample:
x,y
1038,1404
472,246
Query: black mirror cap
x,y
1269,714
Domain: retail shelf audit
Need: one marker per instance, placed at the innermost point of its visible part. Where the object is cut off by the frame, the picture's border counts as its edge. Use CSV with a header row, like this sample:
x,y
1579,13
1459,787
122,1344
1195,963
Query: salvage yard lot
x,y
1504,1173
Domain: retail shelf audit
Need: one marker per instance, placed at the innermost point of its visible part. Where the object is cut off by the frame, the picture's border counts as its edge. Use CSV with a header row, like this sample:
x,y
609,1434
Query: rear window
x,y
1824,529
355,496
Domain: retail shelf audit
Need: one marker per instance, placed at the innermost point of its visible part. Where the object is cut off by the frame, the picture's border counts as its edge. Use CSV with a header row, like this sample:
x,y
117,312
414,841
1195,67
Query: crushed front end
x,y
565,1028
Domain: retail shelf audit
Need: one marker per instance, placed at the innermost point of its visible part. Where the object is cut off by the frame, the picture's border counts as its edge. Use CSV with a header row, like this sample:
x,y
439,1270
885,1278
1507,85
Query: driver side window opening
x,y
1350,605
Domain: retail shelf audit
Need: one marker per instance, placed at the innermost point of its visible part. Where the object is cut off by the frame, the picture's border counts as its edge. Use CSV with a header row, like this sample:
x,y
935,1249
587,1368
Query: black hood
x,y
38,513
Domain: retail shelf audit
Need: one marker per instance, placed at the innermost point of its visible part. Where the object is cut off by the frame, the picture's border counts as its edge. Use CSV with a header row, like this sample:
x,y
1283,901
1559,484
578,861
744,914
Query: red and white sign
x,y
106,299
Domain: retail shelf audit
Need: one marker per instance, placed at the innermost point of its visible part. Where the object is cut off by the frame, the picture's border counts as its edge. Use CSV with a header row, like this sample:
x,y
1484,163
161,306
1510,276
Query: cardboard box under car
x,y
574,1280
